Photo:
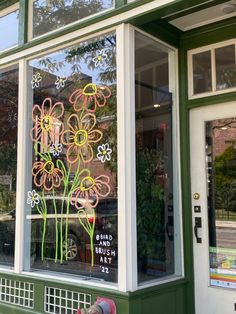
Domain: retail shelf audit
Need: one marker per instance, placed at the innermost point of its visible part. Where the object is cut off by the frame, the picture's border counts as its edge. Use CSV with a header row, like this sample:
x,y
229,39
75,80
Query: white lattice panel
x,y
64,301
17,292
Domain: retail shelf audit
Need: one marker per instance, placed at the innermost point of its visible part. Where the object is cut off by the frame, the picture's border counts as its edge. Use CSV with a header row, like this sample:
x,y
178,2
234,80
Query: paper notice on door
x,y
223,267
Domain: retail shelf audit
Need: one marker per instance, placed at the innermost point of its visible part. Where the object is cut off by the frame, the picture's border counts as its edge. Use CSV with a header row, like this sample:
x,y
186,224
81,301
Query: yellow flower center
x,y
80,137
104,152
87,183
46,123
90,89
99,57
49,167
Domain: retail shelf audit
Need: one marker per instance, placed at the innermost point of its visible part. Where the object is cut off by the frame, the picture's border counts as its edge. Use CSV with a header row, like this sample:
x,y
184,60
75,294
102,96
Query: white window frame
x,y
210,48
5,12
30,21
177,199
127,234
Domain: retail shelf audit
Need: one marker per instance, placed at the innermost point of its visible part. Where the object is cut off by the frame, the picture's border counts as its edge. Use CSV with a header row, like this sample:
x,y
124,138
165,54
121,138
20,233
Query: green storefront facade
x,y
117,151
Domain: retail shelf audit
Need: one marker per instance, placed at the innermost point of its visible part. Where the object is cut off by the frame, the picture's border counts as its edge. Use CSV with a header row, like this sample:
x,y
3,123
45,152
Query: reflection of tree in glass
x,y
89,51
150,208
224,168
8,138
51,14
74,59
226,78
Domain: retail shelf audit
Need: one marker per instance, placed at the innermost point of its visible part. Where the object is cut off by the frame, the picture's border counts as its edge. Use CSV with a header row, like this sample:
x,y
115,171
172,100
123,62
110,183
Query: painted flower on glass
x,y
36,79
33,198
56,149
100,57
90,190
46,175
90,97
60,82
80,136
104,152
47,126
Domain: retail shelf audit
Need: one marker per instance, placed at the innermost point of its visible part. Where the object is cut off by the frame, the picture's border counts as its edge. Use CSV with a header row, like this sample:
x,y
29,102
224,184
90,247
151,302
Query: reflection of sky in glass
x,y
66,69
9,25
85,64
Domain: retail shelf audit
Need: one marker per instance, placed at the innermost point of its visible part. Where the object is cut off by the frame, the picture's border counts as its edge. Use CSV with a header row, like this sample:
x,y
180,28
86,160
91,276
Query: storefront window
x,y
9,35
8,156
154,173
71,213
51,15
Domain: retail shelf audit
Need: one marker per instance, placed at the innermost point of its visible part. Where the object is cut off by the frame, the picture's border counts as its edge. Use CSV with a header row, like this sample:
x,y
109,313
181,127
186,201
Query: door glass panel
x,y
221,178
202,80
8,156
225,67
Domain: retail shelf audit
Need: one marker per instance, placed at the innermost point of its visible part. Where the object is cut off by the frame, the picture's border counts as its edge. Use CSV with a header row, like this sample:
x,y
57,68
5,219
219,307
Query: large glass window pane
x,y
72,201
8,157
221,179
51,15
225,59
202,80
155,222
9,25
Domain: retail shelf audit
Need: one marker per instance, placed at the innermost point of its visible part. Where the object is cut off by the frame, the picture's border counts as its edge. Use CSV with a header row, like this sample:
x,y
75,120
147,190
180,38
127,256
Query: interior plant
x,y
150,207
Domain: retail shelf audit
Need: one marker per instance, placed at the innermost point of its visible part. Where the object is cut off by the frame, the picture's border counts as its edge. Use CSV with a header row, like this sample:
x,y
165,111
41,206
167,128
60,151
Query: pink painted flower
x,y
46,174
90,97
47,126
80,136
90,189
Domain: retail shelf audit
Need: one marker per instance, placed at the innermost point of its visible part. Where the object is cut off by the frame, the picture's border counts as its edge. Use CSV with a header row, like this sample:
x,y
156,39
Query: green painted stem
x,y
68,201
43,236
56,225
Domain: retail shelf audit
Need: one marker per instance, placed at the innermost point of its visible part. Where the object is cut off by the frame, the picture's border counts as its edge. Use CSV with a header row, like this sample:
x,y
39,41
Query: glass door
x,y
213,175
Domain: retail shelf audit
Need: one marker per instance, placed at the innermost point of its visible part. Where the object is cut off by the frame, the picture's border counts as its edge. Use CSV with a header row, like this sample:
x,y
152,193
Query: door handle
x,y
197,225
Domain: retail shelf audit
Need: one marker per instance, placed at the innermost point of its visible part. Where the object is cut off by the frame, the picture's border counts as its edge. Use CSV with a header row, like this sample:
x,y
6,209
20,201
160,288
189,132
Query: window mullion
x,y
21,162
23,25
127,234
213,69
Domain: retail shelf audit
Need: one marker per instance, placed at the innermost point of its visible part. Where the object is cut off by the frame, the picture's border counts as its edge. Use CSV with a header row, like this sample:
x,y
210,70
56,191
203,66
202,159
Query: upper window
x,y
9,35
71,217
51,15
212,70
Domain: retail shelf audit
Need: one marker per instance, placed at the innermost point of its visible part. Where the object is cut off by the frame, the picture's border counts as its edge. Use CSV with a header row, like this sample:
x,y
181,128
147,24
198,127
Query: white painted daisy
x,y
60,82
56,149
100,57
104,152
36,79
33,198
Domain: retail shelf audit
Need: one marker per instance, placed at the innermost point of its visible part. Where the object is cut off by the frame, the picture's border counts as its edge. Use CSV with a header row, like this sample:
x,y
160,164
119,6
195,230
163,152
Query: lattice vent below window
x,y
17,292
64,301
